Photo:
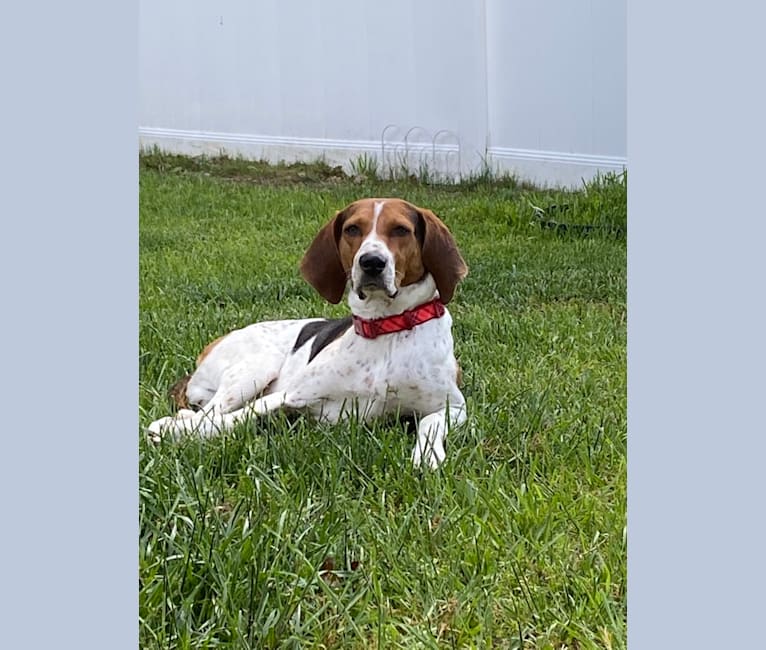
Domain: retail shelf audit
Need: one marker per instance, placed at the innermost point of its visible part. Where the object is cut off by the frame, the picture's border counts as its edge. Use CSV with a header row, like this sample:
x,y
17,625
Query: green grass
x,y
288,534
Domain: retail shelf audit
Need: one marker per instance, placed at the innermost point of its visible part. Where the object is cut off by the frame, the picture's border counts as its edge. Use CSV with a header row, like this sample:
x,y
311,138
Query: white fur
x,y
253,371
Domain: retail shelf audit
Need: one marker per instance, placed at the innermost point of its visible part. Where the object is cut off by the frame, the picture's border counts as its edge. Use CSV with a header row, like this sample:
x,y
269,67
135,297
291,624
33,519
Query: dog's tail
x,y
177,392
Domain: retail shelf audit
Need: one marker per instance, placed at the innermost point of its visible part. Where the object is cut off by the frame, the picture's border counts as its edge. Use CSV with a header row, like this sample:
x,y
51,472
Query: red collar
x,y
373,328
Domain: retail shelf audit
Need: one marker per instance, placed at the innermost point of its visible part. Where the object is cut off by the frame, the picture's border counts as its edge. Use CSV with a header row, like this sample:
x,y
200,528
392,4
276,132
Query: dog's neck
x,y
379,305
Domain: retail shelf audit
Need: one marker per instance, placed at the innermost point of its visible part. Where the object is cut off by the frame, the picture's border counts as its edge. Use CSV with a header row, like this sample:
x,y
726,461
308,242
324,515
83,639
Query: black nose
x,y
372,264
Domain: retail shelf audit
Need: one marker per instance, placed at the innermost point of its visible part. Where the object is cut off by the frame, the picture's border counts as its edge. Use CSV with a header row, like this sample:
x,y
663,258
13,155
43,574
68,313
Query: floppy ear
x,y
321,266
441,257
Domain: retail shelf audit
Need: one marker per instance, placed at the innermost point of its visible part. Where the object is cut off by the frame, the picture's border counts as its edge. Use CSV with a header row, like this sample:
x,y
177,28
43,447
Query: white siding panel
x,y
535,86
557,75
610,91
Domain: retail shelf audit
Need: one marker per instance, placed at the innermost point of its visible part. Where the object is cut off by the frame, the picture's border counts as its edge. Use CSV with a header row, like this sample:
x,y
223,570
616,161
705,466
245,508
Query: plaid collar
x,y
373,328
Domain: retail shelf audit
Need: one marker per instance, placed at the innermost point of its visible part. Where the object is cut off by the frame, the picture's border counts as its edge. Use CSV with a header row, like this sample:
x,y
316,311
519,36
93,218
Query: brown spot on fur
x,y
177,392
208,349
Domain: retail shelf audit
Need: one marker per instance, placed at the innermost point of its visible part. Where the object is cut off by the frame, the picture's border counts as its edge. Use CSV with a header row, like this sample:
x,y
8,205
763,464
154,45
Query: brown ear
x,y
321,266
441,257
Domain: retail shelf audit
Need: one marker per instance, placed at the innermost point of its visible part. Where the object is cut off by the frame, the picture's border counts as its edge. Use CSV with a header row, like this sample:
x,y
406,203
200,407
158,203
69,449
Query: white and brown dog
x,y
394,355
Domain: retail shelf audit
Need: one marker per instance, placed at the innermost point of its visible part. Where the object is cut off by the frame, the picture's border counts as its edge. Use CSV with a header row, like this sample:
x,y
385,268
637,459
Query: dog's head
x,y
382,245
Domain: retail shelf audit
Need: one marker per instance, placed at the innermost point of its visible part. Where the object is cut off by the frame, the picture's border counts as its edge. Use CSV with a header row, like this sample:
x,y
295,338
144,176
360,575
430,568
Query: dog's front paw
x,y
430,453
158,428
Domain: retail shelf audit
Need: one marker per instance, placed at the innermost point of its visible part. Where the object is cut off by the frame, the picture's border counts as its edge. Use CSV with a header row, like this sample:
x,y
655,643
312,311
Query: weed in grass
x,y
365,167
286,533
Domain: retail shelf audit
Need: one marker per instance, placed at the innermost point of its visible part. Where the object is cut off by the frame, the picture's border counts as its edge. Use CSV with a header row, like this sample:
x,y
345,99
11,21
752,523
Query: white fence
x,y
533,86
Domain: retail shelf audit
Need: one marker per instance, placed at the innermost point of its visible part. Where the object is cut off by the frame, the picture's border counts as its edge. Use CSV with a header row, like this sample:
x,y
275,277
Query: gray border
x,y
69,325
696,324
696,351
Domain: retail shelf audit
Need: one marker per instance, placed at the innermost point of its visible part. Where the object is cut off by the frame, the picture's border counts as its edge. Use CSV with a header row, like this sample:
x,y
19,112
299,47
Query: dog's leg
x,y
261,406
211,422
432,430
239,384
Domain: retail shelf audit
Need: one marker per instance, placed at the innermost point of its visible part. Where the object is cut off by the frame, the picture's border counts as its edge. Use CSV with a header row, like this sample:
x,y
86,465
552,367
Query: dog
x,y
393,354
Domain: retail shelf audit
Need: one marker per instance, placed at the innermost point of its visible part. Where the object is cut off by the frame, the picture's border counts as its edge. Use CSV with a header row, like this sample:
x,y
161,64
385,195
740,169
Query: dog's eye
x,y
352,231
400,231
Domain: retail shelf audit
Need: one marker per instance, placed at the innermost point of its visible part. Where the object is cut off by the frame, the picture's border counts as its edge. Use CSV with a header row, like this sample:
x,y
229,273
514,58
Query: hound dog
x,y
394,354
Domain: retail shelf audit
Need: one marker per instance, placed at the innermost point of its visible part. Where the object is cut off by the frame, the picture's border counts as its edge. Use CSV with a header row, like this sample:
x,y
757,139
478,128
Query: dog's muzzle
x,y
373,275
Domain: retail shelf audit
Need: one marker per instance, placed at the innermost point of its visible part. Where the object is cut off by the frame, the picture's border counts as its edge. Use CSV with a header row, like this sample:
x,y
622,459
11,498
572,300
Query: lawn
x,y
289,534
